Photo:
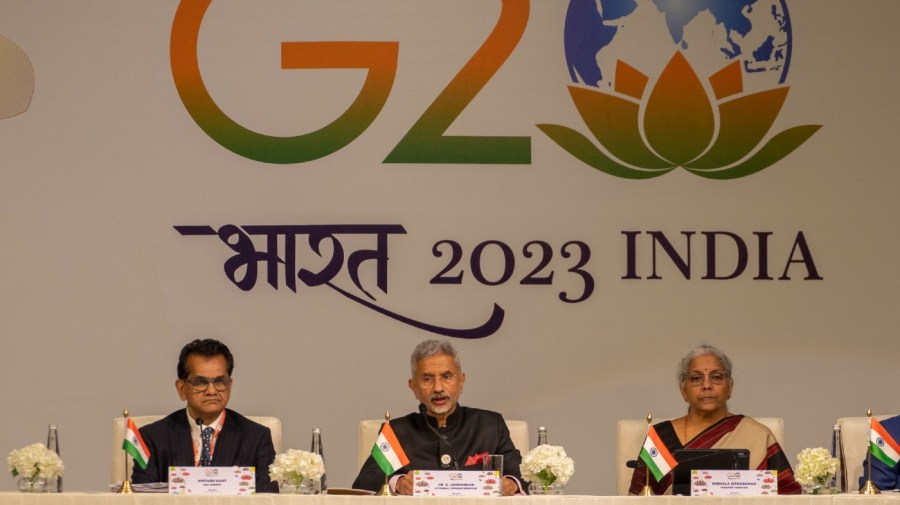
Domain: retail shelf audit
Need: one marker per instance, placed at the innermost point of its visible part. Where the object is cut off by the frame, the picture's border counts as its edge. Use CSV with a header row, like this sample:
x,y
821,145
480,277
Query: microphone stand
x,y
442,439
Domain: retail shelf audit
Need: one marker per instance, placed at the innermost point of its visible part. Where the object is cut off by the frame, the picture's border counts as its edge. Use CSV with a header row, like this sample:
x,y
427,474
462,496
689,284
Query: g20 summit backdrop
x,y
576,193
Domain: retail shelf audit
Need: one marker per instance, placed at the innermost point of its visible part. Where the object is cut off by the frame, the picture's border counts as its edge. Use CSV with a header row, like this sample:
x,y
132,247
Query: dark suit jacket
x,y
241,442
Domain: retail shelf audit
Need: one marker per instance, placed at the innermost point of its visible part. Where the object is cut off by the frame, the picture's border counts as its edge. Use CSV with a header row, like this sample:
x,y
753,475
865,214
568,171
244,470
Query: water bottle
x,y
838,481
317,449
54,485
542,436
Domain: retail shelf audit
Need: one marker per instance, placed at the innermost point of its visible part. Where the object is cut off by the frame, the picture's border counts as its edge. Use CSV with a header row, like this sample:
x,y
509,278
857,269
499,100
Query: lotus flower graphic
x,y
649,133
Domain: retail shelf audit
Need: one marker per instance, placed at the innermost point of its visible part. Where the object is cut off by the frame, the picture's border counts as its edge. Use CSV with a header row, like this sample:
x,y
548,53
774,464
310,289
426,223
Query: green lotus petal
x,y
775,149
614,123
744,123
579,146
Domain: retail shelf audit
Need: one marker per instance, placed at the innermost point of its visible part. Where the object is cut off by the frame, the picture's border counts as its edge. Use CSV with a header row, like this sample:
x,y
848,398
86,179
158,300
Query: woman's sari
x,y
733,432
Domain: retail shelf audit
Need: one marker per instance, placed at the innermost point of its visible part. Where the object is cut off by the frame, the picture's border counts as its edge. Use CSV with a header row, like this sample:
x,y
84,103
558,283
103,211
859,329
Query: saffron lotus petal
x,y
614,123
679,121
744,122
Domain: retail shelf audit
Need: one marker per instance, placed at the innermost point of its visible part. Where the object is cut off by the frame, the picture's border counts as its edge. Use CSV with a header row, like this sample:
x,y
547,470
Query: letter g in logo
x,y
379,58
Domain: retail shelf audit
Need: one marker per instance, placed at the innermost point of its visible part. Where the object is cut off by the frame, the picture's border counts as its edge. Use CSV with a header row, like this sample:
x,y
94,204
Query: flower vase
x,y
38,485
304,486
536,488
818,488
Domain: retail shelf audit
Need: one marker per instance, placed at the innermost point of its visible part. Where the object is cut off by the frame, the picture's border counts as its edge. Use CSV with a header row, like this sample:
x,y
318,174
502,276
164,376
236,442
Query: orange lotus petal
x,y
630,81
727,81
679,121
614,123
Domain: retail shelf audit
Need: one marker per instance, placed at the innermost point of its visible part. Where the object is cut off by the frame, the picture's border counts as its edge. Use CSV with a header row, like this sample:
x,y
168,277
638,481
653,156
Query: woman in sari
x,y
706,382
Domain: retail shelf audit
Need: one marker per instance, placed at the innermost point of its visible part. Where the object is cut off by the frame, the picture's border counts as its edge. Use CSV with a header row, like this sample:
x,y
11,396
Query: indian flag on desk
x,y
134,444
882,445
387,451
656,456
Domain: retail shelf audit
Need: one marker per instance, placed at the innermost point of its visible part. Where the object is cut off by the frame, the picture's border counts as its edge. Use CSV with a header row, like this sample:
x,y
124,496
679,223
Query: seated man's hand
x,y
405,484
510,486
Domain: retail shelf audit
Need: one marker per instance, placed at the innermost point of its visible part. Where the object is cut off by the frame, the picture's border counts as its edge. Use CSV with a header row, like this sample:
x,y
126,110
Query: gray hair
x,y
429,348
703,350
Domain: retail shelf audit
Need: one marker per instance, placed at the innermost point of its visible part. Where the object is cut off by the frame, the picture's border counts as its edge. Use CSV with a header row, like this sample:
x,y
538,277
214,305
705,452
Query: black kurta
x,y
471,434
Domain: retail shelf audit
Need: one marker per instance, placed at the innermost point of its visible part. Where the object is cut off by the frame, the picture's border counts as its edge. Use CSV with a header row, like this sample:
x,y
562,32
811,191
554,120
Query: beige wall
x,y
99,292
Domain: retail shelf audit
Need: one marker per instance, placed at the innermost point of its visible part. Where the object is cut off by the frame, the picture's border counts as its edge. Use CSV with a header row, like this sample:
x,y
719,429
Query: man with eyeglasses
x,y
206,433
444,435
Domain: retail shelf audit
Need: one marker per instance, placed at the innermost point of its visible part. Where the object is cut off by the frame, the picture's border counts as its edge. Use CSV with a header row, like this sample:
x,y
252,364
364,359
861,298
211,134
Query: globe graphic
x,y
711,34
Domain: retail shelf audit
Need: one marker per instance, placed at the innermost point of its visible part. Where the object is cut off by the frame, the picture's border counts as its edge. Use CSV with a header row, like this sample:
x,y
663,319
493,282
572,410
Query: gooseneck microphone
x,y
635,463
199,422
448,457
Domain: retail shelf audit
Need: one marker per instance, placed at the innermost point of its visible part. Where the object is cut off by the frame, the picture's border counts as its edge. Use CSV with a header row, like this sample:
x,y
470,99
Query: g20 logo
x,y
425,141
650,116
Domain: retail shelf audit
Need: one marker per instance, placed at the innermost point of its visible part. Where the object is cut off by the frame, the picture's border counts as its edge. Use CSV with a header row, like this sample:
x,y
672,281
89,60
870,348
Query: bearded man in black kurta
x,y
443,434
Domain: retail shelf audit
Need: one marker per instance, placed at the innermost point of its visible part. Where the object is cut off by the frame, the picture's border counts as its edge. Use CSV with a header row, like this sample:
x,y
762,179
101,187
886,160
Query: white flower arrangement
x,y
547,464
815,467
34,462
293,467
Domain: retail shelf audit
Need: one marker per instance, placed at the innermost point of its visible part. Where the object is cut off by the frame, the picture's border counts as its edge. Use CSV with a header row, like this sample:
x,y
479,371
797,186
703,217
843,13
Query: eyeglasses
x,y
445,378
715,378
201,384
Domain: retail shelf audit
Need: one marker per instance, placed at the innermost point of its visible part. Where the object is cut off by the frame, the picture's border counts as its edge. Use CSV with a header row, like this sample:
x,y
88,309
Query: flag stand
x,y
869,488
386,488
647,490
126,483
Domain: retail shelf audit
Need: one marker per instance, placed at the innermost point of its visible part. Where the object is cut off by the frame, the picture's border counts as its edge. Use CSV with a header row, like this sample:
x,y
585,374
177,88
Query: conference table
x,y
262,499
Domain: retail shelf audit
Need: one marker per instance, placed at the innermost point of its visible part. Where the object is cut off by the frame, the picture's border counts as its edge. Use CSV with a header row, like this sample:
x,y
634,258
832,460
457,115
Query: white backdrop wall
x,y
100,292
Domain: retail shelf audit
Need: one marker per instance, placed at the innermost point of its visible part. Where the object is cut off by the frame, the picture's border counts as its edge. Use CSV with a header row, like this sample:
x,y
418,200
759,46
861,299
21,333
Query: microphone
x,y
207,460
444,446
635,463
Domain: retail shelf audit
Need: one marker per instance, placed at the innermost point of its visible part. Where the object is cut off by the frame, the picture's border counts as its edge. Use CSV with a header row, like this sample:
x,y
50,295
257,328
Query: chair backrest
x,y
630,434
119,457
854,446
368,433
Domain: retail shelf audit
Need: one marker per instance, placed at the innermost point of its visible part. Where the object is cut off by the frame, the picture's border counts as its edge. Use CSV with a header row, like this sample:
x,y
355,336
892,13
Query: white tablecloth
x,y
164,499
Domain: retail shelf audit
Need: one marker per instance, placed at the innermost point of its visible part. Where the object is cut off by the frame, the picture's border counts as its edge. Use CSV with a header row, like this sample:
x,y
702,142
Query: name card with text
x,y
223,480
456,483
734,482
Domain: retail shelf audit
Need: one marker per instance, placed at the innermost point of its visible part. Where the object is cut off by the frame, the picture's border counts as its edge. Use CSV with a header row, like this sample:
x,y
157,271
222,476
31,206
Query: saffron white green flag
x,y
882,445
387,451
656,456
134,444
